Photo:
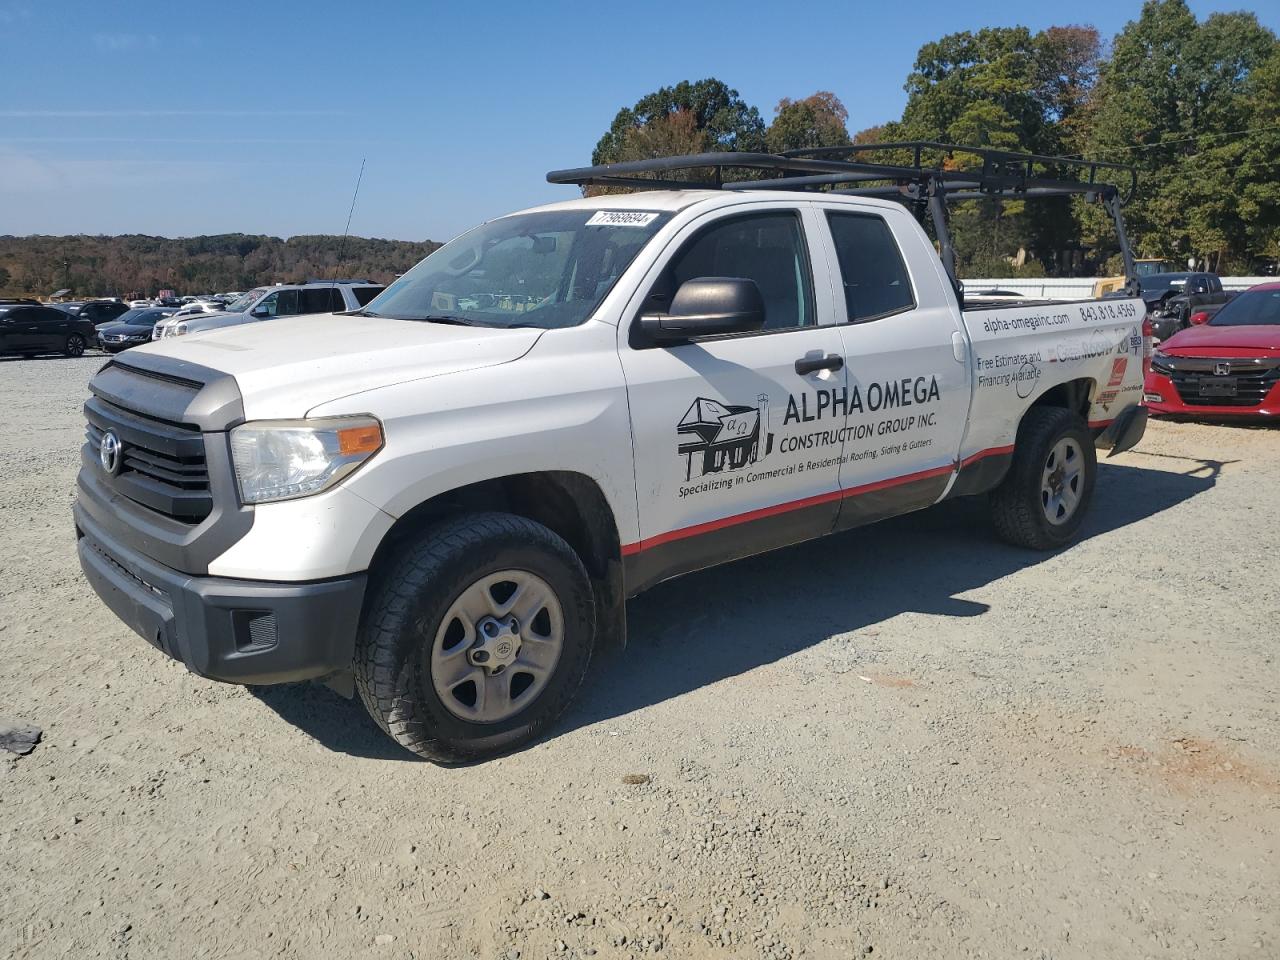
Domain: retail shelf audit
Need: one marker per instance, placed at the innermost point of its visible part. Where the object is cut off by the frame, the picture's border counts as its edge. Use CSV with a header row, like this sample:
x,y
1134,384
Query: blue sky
x,y
189,117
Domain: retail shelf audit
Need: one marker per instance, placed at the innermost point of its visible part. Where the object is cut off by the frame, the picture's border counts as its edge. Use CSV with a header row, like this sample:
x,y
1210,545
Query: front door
x,y
736,448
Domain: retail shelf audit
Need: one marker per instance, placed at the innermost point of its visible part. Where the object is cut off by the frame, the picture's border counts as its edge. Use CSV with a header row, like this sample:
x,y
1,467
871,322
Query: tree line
x,y
136,265
1193,105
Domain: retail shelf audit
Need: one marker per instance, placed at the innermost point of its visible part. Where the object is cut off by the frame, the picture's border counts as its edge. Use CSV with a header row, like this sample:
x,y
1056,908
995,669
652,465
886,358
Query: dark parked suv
x,y
34,329
99,312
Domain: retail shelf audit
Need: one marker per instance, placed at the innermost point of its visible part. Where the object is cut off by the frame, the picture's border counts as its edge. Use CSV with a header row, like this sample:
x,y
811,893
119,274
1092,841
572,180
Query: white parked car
x,y
199,307
270,303
443,500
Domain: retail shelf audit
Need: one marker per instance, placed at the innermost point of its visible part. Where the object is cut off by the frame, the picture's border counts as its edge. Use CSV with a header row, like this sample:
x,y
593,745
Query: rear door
x,y
52,327
907,361
736,451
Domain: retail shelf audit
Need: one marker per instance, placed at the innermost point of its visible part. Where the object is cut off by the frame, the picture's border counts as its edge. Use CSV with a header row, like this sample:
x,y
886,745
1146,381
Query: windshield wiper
x,y
443,318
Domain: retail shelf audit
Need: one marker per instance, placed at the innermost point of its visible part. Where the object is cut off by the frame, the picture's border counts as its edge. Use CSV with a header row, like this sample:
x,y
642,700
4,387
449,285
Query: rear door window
x,y
319,300
364,294
876,283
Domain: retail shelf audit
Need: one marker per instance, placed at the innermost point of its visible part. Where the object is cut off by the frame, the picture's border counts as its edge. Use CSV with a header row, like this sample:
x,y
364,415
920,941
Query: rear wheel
x,y
475,638
74,346
1044,497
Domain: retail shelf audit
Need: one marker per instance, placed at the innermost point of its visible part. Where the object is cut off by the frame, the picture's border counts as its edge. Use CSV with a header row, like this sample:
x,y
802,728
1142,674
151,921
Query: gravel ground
x,y
907,741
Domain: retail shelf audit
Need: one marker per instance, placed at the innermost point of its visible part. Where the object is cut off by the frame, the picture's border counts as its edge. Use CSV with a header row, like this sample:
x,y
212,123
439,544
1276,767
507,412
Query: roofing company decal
x,y
721,443
715,437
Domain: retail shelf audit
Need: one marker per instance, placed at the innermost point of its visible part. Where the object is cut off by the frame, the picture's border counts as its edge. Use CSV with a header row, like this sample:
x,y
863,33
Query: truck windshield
x,y
531,270
1251,308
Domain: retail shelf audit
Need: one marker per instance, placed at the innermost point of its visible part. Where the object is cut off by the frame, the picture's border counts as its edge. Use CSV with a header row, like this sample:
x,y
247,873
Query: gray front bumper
x,y
238,631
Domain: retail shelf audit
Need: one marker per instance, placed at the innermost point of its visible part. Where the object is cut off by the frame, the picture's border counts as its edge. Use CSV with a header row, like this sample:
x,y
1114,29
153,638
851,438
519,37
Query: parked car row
x,y
268,303
30,328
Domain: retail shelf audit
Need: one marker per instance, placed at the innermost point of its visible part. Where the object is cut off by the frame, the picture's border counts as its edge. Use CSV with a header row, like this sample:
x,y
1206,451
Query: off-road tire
x,y
1016,508
74,347
412,592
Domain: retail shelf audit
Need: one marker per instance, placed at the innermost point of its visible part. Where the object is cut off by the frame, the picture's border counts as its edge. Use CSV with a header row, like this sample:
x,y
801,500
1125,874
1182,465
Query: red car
x,y
1226,365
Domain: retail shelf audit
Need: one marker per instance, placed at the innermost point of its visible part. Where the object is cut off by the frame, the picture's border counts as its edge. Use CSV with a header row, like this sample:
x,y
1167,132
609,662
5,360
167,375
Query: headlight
x,y
177,330
286,459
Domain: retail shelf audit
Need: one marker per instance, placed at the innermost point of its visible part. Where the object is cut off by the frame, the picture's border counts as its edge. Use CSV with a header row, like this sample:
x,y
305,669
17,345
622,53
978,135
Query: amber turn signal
x,y
366,439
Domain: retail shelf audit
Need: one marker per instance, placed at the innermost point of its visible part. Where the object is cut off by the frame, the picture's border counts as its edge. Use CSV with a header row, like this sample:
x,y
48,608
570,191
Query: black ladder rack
x,y
927,180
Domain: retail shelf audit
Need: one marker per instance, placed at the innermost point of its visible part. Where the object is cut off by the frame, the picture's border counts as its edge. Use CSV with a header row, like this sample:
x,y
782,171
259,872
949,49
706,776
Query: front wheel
x,y
1044,497
475,637
74,346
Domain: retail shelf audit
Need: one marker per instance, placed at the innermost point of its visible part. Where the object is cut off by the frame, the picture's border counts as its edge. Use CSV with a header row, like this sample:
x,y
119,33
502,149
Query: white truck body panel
x,y
287,366
680,440
1021,352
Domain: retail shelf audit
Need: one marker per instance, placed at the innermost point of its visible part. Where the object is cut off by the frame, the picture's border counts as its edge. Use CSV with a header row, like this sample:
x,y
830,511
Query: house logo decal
x,y
715,437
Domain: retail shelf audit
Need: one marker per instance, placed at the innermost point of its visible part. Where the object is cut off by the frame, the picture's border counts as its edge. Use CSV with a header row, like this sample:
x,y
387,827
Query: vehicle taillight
x,y
1147,345
1199,317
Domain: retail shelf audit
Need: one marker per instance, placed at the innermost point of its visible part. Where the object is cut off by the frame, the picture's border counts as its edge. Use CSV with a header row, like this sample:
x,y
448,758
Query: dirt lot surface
x,y
909,741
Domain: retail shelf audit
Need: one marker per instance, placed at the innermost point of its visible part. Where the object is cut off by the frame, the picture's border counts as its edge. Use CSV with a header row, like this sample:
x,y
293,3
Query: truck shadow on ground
x,y
709,626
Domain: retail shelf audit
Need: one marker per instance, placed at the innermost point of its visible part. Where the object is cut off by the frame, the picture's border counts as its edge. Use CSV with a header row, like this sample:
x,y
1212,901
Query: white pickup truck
x,y
448,496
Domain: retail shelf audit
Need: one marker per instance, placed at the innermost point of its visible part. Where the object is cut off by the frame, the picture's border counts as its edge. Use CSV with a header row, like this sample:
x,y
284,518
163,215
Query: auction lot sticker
x,y
621,218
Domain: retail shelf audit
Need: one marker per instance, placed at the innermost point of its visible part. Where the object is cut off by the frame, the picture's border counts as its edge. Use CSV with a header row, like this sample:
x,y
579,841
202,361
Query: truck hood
x,y
1201,341
286,367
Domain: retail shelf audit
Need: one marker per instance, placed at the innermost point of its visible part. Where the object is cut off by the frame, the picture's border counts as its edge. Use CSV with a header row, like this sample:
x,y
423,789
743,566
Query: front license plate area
x,y
1218,387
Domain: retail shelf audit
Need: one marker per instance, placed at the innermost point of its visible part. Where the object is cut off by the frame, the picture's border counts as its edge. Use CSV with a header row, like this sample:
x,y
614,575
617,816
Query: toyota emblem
x,y
1221,369
109,453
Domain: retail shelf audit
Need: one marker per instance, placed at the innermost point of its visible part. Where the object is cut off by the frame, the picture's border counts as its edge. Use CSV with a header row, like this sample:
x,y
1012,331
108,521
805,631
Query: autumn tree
x,y
819,120
710,108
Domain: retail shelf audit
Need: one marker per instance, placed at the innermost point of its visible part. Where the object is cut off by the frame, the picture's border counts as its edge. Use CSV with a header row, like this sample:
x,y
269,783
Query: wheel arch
x,y
989,471
1074,395
570,504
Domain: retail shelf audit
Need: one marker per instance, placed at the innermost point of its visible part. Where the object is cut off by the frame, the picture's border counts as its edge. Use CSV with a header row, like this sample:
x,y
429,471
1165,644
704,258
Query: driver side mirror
x,y
707,307
259,312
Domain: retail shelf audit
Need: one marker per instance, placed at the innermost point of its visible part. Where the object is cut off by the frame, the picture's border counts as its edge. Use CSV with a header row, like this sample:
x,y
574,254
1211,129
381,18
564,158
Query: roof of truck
x,y
664,200
673,201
